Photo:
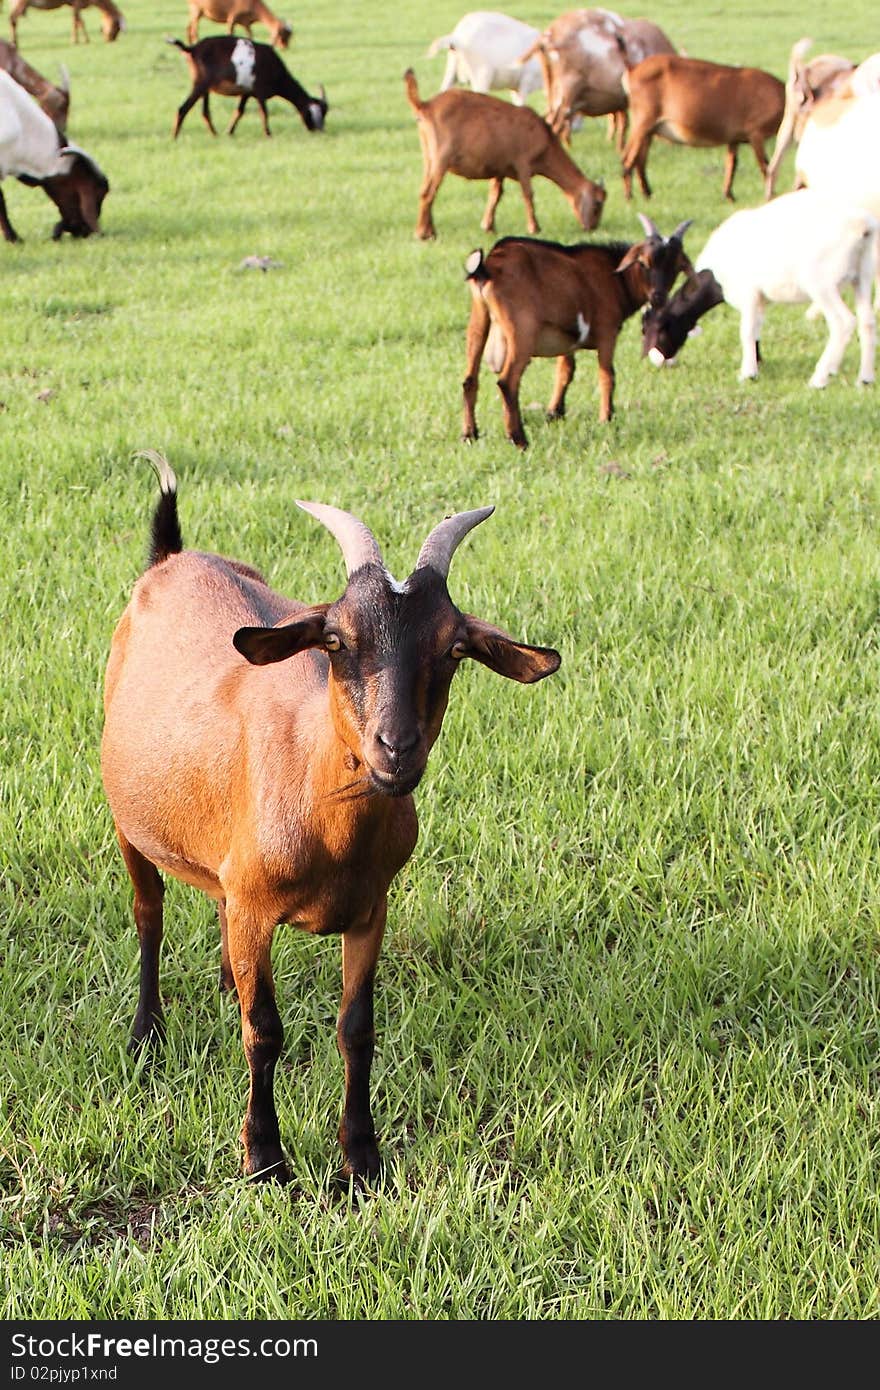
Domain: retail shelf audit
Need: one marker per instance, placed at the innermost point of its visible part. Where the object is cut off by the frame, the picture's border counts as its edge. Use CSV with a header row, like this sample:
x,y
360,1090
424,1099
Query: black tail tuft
x,y
178,44
165,537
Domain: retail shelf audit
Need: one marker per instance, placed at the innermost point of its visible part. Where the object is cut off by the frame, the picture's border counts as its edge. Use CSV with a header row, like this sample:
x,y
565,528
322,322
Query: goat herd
x,y
290,799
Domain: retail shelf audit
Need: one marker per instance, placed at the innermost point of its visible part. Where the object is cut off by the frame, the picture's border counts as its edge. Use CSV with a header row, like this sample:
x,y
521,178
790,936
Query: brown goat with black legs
x,y
241,68
540,299
481,137
691,102
266,751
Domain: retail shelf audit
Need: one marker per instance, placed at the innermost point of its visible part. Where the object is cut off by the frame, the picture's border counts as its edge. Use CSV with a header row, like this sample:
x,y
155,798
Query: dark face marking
x,y
391,667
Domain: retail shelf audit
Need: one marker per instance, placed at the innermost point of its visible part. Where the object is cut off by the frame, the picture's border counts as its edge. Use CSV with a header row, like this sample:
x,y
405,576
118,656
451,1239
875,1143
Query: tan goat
x,y
112,21
266,751
692,102
244,13
481,137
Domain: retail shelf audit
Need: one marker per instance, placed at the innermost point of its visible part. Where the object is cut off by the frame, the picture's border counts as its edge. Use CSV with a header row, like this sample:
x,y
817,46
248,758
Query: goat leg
x,y
477,333
149,890
508,385
496,189
9,232
227,980
250,948
565,366
729,171
356,1040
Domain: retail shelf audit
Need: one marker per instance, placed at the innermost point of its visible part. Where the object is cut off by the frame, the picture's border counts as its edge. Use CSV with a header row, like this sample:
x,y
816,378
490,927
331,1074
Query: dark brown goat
x,y
691,102
541,299
481,137
266,752
235,67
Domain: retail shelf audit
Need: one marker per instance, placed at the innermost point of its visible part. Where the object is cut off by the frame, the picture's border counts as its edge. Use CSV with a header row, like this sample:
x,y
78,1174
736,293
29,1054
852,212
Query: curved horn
x,y
445,539
649,227
356,541
323,93
681,229
64,84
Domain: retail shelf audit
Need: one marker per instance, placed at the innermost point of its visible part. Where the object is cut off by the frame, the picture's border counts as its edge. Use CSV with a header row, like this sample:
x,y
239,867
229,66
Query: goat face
x,y
79,196
316,111
590,205
111,26
393,650
661,258
283,35
664,330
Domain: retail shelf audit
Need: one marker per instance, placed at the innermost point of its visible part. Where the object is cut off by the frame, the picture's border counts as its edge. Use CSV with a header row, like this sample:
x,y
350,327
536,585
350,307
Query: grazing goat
x,y
691,102
33,151
799,248
541,299
112,20
483,50
245,13
241,68
584,55
482,137
55,101
266,752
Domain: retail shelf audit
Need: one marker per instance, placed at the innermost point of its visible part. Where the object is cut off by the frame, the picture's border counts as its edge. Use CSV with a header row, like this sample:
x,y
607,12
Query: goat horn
x,y
649,227
681,229
323,93
357,542
64,84
445,539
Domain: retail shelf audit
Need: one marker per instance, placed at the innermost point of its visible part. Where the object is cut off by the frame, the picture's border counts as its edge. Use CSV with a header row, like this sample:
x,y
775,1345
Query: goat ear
x,y
515,660
630,258
264,645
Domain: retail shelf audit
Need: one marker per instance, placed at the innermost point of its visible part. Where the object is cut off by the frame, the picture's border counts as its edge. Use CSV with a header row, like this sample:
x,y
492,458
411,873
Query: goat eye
x,y
332,642
458,650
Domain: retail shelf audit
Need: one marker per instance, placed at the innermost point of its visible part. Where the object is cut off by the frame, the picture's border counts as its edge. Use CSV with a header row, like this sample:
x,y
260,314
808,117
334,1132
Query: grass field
x,y
627,1006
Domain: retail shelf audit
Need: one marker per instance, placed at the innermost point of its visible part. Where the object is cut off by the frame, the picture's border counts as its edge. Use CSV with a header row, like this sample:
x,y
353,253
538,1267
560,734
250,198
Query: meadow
x,y
627,1006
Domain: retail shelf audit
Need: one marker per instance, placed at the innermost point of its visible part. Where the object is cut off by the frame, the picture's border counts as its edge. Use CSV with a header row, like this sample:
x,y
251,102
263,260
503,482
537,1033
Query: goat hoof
x,y
266,1165
470,438
519,441
146,1036
426,234
555,415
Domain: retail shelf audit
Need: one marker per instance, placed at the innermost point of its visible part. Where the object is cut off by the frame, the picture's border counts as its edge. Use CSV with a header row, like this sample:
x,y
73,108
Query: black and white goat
x,y
241,68
801,248
33,151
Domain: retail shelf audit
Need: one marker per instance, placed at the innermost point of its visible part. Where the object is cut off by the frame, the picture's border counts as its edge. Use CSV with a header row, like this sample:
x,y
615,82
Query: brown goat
x,y
540,299
55,101
481,137
266,751
691,102
245,13
112,20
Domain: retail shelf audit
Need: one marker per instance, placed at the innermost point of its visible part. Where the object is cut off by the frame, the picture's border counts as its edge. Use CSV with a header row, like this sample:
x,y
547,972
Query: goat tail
x,y
475,268
797,55
178,43
438,45
412,91
165,537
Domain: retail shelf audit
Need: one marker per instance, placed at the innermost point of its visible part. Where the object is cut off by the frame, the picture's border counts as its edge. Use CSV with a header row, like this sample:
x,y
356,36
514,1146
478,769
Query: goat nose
x,y
397,742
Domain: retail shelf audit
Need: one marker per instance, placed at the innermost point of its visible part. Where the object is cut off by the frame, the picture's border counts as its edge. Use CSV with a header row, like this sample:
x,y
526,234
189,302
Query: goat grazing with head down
x,y
266,751
34,151
481,137
801,248
539,299
244,69
112,19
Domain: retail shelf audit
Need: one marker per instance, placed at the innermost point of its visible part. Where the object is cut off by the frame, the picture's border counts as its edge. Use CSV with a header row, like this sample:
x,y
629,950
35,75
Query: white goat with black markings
x,y
800,248
33,151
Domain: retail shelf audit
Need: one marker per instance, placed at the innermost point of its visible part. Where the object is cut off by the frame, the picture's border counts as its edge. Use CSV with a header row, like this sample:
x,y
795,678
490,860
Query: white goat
x,y
837,155
800,248
483,49
31,150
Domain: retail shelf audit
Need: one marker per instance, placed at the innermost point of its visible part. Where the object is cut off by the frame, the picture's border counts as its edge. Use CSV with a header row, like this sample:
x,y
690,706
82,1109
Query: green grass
x,y
627,1006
